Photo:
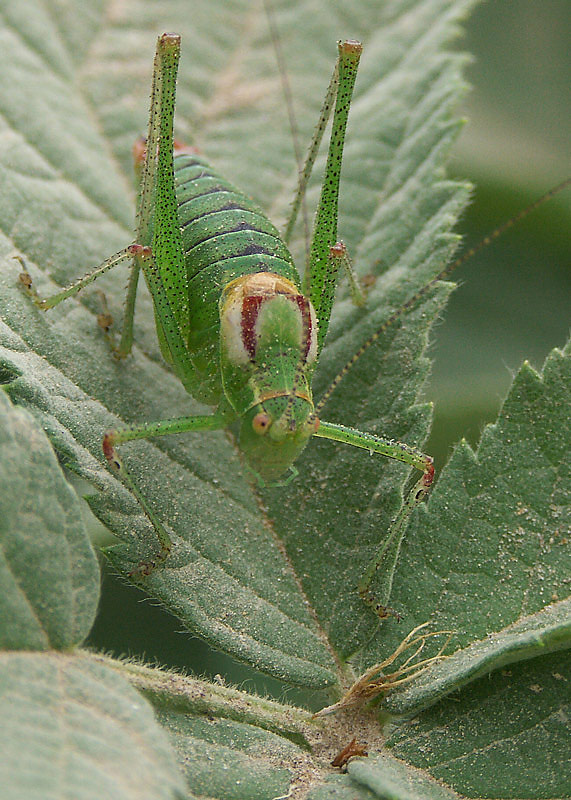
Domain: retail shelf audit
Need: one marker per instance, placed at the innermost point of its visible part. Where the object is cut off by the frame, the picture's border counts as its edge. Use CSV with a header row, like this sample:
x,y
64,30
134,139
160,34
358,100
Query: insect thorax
x,y
268,340
225,236
268,345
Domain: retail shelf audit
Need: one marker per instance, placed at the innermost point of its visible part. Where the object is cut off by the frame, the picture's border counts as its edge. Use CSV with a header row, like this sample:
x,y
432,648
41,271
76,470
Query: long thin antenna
x,y
442,275
288,98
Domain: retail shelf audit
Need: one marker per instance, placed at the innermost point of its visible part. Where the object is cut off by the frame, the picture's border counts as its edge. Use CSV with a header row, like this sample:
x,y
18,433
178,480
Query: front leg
x,y
387,554
113,438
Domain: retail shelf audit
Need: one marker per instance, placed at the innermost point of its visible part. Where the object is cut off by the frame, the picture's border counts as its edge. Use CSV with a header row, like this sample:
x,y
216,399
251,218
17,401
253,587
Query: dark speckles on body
x,y
224,236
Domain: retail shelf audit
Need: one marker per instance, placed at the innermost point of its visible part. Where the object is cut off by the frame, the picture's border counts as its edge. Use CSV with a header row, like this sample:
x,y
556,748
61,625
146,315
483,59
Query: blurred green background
x,y
514,297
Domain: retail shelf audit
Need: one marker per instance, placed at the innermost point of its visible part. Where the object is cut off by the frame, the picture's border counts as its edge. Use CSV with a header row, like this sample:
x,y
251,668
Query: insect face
x,y
273,433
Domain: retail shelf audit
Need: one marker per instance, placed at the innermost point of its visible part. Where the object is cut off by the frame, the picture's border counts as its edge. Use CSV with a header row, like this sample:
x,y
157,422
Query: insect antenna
x,y
292,119
442,275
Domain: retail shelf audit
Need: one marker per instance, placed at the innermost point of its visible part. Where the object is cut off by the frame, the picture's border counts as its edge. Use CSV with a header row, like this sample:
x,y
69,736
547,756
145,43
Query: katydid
x,y
234,320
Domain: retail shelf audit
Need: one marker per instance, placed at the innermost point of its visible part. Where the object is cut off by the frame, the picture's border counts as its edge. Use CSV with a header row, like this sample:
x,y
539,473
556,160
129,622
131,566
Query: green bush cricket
x,y
234,320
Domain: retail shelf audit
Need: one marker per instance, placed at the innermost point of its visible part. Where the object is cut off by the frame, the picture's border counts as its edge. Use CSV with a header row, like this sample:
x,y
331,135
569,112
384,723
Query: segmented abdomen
x,y
225,235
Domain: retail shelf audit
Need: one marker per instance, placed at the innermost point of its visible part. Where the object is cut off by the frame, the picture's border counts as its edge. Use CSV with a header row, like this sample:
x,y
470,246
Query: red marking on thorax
x,y
306,332
251,308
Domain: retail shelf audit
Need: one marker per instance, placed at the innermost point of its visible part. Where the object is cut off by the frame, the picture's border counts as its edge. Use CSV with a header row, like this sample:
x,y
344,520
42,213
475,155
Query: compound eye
x,y
261,422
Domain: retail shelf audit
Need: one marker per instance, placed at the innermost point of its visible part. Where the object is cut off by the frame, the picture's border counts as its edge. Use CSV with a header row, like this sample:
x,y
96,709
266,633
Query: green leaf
x,y
49,577
545,632
341,787
254,760
271,579
506,737
71,728
387,777
232,744
501,515
240,591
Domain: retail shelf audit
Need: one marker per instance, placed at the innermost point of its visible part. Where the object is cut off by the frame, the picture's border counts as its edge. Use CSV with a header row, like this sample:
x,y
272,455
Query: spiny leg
x,y
71,290
161,258
162,93
158,194
146,158
386,556
113,438
321,275
340,85
161,255
104,320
